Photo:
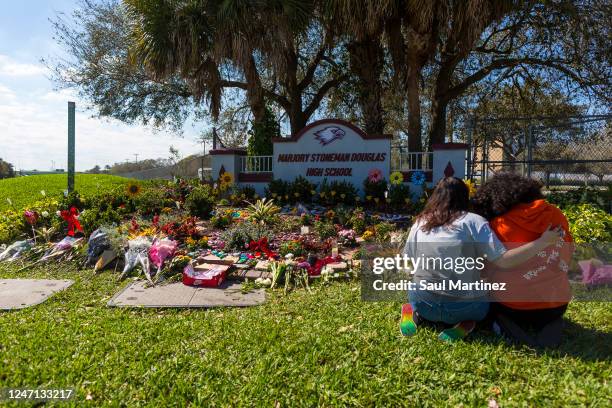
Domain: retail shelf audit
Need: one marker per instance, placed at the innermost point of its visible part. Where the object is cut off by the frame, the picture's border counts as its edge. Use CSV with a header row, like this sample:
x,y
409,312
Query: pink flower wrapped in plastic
x,y
162,250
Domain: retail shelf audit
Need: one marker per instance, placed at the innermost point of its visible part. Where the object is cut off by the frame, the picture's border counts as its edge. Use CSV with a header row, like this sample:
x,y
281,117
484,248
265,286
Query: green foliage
x,y
325,229
292,247
248,192
601,198
358,220
337,192
261,135
263,212
375,189
382,231
399,196
278,190
301,190
72,199
588,223
238,236
222,219
200,202
93,218
151,201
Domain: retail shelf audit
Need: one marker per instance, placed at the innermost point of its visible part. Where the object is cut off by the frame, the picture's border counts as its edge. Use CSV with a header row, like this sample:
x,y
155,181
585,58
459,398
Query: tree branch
x,y
323,90
458,89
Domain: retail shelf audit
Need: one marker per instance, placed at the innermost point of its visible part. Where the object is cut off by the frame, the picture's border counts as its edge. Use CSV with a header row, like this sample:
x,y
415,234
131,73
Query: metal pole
x,y
71,145
529,149
470,129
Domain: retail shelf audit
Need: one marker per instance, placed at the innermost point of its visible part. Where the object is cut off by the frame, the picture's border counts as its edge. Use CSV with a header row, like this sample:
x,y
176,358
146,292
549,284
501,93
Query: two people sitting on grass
x,y
447,230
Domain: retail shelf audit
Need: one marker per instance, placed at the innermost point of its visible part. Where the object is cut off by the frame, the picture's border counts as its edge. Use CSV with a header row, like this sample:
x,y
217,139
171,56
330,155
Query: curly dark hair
x,y
449,200
502,192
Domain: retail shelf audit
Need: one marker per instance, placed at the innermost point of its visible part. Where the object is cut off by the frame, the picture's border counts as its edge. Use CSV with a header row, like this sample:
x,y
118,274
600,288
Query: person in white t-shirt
x,y
453,245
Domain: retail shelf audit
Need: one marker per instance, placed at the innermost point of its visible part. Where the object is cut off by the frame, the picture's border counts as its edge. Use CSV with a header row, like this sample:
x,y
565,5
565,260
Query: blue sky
x,y
33,116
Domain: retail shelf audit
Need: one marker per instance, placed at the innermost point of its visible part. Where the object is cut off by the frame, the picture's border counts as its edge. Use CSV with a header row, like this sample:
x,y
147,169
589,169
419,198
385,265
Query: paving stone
x,y
262,265
137,294
179,295
22,293
229,295
250,274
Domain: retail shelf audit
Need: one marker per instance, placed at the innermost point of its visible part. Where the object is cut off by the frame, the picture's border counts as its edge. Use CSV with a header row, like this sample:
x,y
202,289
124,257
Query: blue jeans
x,y
430,307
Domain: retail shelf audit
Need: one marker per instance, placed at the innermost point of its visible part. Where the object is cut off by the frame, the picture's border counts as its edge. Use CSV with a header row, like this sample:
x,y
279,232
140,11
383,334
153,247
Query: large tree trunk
x,y
366,61
295,112
414,111
254,91
439,103
437,132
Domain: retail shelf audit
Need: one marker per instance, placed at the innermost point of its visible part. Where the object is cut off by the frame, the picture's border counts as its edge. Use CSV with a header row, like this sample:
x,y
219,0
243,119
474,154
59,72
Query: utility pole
x,y
136,155
71,145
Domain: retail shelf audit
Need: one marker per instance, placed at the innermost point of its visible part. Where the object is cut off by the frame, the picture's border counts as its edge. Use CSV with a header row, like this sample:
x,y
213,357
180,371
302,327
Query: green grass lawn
x,y
328,349
26,190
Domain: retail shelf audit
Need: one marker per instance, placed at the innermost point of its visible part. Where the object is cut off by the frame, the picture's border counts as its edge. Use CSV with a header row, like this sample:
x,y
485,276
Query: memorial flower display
x,y
418,178
375,175
396,177
152,230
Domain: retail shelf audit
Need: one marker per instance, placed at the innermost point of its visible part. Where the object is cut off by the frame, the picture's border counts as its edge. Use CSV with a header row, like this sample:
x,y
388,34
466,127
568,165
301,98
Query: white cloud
x,y
33,133
10,67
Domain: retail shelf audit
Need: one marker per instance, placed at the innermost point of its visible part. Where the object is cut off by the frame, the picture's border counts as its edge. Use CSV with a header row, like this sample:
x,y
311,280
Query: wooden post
x,y
71,145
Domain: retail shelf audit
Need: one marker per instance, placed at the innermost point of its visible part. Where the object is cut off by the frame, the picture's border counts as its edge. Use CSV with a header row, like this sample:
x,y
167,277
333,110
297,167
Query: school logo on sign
x,y
328,134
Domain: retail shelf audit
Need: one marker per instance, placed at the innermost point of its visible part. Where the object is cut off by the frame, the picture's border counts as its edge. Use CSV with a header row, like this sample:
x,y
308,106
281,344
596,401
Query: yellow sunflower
x,y
226,178
471,187
133,189
396,178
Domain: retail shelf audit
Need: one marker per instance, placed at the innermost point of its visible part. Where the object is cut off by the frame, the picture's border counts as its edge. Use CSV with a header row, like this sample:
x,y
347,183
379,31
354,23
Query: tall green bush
x,y
200,202
261,135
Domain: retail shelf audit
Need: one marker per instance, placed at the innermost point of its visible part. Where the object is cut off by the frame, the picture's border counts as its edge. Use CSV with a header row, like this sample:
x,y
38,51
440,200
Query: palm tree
x,y
258,39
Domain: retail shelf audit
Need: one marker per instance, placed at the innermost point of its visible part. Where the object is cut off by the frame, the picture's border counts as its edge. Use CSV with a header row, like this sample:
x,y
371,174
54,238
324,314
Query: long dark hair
x,y
449,200
503,191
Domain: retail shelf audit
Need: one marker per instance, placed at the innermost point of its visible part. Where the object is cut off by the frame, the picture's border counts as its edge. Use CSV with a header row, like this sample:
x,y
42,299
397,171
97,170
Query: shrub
x,y
337,192
324,229
301,190
73,199
292,247
358,220
374,190
585,195
200,202
383,230
262,133
93,218
151,201
240,235
589,223
399,197
222,219
278,190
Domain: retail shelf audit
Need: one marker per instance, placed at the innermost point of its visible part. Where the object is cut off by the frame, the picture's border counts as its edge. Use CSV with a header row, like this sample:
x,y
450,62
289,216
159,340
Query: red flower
x,y
71,218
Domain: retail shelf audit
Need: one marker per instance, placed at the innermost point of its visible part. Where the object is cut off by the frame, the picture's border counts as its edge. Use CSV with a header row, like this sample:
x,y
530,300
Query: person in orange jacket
x,y
531,308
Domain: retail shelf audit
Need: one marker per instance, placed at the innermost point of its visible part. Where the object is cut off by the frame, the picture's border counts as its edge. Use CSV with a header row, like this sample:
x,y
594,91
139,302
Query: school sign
x,y
333,150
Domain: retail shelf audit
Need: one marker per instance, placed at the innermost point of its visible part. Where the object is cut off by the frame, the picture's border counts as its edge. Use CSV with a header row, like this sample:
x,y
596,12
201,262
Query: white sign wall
x,y
331,149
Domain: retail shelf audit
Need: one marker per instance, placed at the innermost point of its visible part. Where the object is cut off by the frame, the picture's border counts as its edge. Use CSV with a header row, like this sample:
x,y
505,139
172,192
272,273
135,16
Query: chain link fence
x,y
569,151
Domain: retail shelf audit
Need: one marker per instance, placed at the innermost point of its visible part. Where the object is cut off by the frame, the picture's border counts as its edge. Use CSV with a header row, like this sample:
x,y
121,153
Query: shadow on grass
x,y
577,341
